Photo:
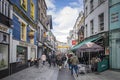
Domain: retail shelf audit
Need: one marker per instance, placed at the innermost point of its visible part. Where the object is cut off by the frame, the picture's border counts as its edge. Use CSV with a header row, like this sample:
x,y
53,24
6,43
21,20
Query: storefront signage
x,y
23,44
114,17
4,29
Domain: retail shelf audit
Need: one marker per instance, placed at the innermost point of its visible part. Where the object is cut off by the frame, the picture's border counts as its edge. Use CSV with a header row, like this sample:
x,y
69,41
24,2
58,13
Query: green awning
x,y
92,39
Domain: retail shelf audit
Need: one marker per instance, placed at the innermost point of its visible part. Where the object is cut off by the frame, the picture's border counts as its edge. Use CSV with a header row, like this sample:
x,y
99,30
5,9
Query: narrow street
x,y
34,73
64,74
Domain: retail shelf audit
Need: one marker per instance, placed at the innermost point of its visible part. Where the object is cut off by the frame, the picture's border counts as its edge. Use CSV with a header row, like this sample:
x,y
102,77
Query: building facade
x,y
114,33
6,11
80,27
96,21
24,33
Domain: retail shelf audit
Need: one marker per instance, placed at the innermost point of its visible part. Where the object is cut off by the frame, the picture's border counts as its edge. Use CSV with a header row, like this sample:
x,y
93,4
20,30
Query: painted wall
x,y
16,28
103,8
115,17
26,12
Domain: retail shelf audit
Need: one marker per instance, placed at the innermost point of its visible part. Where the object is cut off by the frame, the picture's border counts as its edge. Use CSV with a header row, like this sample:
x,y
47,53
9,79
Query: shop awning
x,y
92,39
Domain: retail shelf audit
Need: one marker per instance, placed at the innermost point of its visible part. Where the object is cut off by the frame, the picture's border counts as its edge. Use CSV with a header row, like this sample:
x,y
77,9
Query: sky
x,y
64,14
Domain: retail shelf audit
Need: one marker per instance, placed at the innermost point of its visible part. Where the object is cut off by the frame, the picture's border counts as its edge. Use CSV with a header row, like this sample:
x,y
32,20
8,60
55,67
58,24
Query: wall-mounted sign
x,y
23,43
3,29
114,17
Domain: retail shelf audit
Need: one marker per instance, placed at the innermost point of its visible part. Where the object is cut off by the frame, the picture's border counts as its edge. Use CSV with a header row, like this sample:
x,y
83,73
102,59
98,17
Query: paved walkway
x,y
33,73
65,74
106,75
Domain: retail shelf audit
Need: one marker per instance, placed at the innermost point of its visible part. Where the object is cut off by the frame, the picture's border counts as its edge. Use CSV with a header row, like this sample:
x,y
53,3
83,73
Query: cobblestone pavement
x,y
33,73
106,75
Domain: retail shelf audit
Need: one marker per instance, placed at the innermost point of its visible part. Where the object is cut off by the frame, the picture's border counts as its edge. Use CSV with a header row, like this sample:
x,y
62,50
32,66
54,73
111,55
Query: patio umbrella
x,y
90,47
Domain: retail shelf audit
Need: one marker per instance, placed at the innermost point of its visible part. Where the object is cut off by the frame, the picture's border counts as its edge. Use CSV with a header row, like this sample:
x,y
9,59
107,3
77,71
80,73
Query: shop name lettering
x,y
114,17
3,29
22,43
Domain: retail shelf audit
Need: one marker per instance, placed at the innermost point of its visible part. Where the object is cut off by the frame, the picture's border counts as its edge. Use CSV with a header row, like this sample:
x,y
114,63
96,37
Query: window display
x,y
3,56
21,55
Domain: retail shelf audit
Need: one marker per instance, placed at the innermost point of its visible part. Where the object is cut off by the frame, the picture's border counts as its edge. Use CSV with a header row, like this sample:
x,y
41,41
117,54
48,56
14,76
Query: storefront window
x,y
21,55
32,55
3,56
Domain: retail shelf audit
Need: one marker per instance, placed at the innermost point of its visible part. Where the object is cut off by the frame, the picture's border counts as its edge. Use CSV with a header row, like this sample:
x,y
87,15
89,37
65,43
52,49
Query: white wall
x,y
14,50
103,8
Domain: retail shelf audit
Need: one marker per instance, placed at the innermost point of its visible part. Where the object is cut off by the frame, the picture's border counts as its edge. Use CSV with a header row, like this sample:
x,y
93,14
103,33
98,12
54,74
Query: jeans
x,y
74,67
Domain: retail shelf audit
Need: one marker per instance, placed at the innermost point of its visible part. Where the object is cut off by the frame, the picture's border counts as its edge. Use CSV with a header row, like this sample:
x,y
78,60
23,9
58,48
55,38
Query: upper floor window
x,y
23,31
32,10
23,4
91,5
4,7
101,22
100,1
92,26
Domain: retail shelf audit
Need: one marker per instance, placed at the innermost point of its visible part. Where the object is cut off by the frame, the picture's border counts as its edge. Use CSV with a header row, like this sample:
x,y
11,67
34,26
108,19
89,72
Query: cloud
x,y
50,4
64,19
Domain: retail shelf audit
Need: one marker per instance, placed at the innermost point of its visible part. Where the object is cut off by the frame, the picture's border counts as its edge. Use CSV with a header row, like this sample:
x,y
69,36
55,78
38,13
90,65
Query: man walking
x,y
74,61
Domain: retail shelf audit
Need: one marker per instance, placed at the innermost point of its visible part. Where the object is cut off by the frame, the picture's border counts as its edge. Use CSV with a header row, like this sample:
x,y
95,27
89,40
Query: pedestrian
x,y
69,62
50,59
59,61
54,59
65,60
43,58
74,61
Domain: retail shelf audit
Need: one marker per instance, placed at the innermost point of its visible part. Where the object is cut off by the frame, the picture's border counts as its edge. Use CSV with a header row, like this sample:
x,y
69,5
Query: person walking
x,y
50,59
43,58
74,61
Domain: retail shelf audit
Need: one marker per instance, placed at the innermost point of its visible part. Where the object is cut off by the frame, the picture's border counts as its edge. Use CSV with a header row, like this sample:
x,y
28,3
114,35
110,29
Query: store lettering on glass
x,y
114,17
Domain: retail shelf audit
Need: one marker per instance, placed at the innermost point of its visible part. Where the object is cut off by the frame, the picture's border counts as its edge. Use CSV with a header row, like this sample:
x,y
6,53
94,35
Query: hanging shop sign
x,y
73,42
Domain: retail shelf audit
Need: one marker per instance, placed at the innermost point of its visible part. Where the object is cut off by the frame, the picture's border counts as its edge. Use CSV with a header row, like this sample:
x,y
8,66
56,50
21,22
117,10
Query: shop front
x,y
114,34
115,49
4,50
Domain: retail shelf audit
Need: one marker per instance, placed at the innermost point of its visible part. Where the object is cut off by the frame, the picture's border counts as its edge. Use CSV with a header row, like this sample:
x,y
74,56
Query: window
x,y
86,10
3,57
92,27
100,1
91,5
4,7
32,10
101,22
4,37
23,31
24,4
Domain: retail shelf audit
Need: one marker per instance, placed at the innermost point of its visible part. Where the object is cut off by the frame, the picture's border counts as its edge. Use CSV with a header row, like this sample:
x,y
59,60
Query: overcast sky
x,y
64,14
